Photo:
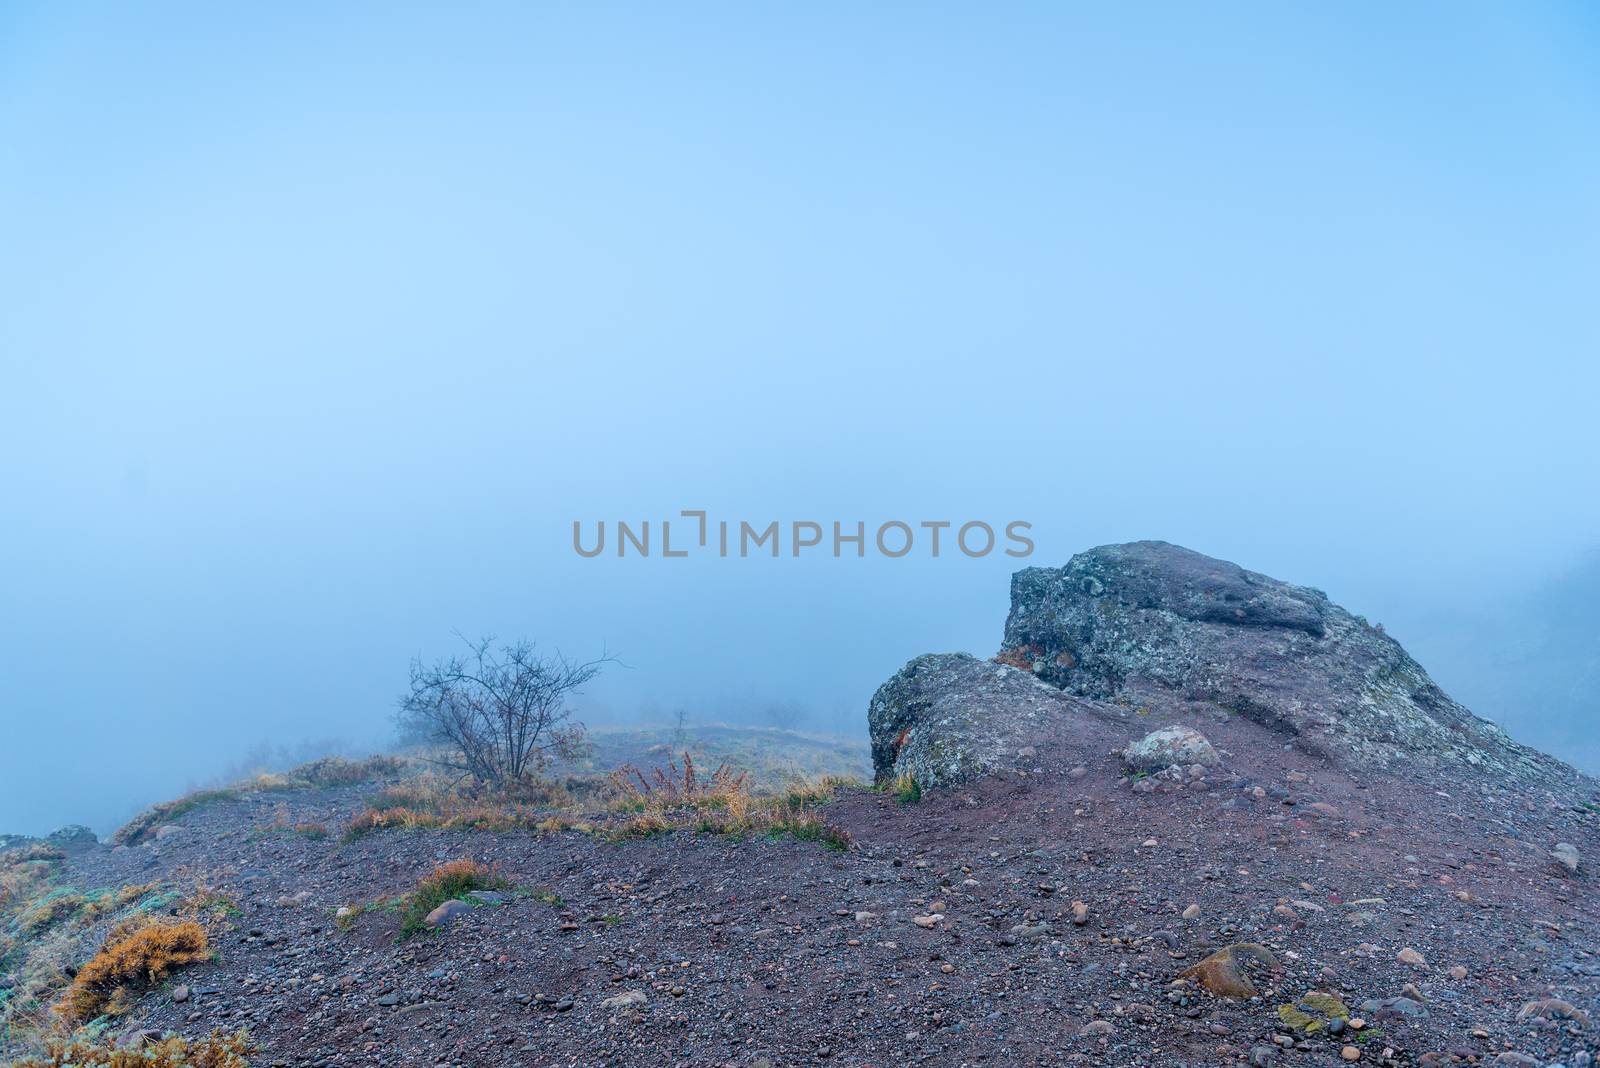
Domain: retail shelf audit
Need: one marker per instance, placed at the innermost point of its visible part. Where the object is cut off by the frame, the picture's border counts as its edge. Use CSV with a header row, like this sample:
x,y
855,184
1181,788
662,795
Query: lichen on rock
x,y
945,718
1169,626
1170,746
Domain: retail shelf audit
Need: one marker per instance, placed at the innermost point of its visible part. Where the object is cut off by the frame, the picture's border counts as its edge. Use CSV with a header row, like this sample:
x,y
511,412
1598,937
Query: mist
x,y
322,330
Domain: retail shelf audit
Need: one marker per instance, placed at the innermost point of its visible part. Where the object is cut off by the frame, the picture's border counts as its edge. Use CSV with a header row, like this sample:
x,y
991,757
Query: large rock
x,y
1169,746
72,838
1154,623
447,913
945,718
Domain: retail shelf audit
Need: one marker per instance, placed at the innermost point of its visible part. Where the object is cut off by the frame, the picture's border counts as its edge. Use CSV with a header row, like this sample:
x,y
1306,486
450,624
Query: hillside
x,y
1026,884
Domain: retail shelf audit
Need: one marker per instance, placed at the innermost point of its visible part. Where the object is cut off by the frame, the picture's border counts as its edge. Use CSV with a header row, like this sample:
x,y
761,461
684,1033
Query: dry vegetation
x,y
138,954
325,774
219,1050
677,798
46,928
446,882
74,955
283,826
632,803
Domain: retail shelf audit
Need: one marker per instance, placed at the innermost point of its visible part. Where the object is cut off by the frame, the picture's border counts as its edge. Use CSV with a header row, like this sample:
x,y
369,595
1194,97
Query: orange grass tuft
x,y
130,961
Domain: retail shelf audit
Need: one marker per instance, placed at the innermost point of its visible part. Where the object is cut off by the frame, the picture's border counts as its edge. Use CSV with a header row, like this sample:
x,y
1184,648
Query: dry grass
x,y
136,955
429,802
47,928
677,798
327,773
330,772
445,883
674,787
31,852
905,789
281,826
219,1050
481,817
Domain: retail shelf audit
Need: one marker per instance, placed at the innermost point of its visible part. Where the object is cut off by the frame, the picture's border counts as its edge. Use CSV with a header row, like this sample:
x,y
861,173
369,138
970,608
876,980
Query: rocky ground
x,y
1190,816
947,935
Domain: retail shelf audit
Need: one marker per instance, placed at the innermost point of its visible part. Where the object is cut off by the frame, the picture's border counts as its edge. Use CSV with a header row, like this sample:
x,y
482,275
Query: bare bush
x,y
497,715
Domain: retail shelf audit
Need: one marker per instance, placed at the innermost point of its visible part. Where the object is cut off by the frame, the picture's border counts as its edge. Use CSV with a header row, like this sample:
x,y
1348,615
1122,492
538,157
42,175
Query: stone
x,y
447,913
1169,746
1351,1053
139,1038
1160,626
1192,912
1392,1009
946,718
1411,957
72,838
1553,1009
1226,973
626,1000
180,993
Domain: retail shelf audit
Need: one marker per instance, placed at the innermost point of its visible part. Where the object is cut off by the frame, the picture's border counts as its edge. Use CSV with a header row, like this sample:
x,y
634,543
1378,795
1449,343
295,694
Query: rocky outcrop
x,y
945,718
1150,622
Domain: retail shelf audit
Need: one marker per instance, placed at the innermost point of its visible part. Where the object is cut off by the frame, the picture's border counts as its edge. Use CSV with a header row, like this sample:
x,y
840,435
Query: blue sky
x,y
321,327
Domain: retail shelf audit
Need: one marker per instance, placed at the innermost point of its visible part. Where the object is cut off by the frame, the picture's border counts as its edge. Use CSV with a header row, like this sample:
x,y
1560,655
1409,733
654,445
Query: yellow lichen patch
x,y
1313,1012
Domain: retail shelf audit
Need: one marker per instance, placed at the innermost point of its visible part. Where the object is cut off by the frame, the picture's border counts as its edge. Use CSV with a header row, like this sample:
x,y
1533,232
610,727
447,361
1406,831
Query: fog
x,y
322,327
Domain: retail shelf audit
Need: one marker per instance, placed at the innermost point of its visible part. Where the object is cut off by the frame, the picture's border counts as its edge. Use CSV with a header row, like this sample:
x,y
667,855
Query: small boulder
x,y
947,718
1553,1009
1412,958
1226,973
447,913
139,1038
1170,746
